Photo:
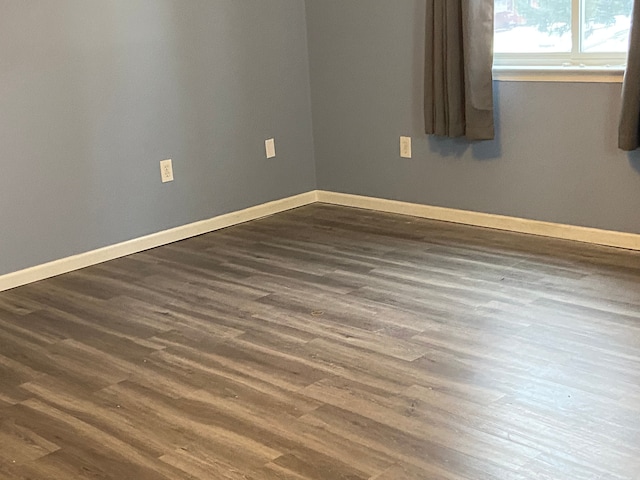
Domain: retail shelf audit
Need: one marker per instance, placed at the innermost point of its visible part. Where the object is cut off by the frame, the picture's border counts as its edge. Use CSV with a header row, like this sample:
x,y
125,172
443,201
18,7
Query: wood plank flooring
x,y
328,343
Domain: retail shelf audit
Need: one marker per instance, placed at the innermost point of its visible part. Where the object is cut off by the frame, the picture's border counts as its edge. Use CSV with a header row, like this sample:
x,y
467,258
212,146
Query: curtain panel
x,y
629,131
458,69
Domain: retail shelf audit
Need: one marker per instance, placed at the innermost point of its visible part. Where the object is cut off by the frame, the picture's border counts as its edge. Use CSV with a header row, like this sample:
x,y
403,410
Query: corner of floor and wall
x,y
95,94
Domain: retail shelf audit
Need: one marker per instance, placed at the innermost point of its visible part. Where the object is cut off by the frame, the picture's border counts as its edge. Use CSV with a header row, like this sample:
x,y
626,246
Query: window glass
x,y
605,25
573,27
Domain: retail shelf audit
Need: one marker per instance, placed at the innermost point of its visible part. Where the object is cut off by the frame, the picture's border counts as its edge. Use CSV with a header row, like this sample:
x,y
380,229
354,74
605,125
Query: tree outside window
x,y
548,26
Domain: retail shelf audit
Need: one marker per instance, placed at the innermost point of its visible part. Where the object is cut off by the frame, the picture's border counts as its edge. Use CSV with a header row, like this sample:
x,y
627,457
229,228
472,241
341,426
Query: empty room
x,y
319,239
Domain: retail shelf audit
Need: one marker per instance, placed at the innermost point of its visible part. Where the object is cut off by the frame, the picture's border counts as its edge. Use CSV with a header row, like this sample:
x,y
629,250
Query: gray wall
x,y
94,93
554,159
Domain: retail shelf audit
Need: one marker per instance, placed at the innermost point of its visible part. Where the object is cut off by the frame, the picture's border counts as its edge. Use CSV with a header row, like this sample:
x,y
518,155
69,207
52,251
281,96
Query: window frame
x,y
575,65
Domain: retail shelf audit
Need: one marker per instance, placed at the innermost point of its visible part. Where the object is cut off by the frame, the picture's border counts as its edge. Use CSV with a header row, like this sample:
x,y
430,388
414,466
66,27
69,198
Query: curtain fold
x,y
629,131
458,69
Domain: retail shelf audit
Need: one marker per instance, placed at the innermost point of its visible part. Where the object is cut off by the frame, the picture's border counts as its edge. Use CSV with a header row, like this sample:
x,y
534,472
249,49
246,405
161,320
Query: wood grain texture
x,y
328,343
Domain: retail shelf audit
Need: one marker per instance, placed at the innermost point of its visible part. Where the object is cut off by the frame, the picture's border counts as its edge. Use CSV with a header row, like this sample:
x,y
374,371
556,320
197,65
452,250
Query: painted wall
x,y
554,159
94,93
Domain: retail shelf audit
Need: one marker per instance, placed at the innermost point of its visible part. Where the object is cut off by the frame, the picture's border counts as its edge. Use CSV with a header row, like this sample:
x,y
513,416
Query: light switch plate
x,y
270,148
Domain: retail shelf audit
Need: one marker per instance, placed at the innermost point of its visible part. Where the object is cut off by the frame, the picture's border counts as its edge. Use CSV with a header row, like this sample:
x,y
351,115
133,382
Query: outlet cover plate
x,y
405,147
166,171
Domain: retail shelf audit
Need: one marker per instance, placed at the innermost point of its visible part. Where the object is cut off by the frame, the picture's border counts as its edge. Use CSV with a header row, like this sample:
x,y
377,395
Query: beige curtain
x,y
629,132
458,78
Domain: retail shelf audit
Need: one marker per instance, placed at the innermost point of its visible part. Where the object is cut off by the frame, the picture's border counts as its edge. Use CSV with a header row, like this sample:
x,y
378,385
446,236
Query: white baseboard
x,y
76,262
513,224
608,238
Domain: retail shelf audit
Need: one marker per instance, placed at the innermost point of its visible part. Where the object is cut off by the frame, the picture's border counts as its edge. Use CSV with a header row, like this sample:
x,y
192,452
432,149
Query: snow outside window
x,y
561,32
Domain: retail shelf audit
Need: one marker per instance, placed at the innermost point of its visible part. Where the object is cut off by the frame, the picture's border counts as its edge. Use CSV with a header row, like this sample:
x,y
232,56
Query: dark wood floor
x,y
328,343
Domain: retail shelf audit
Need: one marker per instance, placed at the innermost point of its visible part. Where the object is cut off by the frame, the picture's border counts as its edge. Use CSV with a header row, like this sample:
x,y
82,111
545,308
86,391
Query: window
x,y
561,32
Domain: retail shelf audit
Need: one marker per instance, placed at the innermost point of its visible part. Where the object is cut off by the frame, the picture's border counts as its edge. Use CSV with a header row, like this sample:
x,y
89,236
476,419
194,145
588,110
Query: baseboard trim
x,y
76,262
629,241
596,236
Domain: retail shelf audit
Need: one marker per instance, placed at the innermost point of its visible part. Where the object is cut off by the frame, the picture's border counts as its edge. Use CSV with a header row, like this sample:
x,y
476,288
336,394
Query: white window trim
x,y
575,74
572,66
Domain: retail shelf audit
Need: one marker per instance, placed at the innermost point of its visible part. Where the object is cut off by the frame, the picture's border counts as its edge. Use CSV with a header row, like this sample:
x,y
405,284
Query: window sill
x,y
572,74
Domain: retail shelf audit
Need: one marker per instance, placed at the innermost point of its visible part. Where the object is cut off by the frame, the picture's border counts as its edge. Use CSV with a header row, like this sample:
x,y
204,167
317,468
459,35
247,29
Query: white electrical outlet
x,y
270,148
166,171
405,147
